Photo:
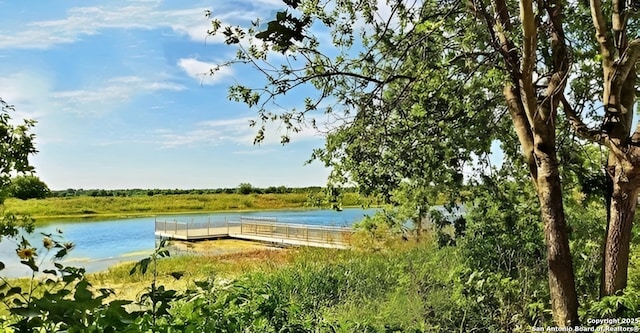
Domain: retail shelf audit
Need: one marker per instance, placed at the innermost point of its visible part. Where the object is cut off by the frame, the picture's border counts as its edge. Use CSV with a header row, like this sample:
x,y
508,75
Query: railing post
x,y
209,226
176,225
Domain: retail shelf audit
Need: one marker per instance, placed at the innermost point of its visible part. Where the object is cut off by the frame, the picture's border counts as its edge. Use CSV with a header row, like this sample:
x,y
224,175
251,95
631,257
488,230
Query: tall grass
x,y
403,287
324,290
190,268
199,267
87,206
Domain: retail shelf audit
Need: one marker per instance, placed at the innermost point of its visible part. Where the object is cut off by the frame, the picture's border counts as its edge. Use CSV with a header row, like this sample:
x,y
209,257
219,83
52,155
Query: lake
x,y
102,243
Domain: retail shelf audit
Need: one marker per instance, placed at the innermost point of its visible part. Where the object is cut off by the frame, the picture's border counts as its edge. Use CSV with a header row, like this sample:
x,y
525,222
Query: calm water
x,y
100,244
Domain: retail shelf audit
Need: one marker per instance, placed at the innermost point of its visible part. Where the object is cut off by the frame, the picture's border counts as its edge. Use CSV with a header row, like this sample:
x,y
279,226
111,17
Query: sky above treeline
x,y
122,100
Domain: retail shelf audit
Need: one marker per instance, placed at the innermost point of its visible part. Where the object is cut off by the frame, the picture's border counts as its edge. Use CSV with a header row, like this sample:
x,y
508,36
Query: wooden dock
x,y
258,229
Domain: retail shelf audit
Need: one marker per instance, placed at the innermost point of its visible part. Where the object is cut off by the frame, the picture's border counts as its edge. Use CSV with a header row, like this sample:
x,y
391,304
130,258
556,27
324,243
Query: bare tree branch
x,y
530,41
578,125
625,64
521,125
561,57
606,45
618,24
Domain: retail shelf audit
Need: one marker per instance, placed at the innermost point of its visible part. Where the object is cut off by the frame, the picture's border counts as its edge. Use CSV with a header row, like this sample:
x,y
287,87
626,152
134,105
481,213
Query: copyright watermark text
x,y
597,325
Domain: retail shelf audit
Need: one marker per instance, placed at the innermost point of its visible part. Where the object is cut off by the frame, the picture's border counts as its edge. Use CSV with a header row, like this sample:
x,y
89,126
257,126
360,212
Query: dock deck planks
x,y
264,230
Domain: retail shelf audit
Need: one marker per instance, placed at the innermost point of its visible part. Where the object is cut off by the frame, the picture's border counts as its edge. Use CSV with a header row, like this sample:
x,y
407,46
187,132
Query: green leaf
x,y
82,292
61,253
163,253
141,266
14,291
292,3
30,263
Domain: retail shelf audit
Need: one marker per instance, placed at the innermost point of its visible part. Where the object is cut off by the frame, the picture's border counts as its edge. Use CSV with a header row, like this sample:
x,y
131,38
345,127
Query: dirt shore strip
x,y
217,247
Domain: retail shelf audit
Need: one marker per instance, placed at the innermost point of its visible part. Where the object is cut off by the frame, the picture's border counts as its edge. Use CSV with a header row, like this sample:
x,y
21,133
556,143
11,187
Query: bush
x,y
28,187
245,188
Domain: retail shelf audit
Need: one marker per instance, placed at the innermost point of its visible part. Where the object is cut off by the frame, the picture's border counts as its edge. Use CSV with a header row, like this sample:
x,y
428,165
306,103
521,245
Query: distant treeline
x,y
242,189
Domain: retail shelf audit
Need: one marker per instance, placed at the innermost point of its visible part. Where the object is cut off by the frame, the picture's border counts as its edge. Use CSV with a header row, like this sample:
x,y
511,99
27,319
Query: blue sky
x,y
122,100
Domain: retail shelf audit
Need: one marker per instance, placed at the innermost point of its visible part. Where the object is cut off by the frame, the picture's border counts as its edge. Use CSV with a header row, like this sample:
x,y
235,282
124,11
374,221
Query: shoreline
x,y
95,208
218,247
222,249
233,258
107,216
95,257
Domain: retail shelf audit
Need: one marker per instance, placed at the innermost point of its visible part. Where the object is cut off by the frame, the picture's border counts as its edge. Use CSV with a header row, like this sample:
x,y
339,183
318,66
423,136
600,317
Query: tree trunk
x,y
622,209
539,150
564,302
623,168
534,119
418,224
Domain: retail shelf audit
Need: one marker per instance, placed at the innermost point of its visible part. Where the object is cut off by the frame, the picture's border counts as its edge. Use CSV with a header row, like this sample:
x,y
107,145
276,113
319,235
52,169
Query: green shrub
x,y
28,187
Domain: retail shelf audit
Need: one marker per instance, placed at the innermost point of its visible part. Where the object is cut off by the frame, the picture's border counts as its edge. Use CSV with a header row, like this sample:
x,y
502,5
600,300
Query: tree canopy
x,y
16,145
413,94
28,187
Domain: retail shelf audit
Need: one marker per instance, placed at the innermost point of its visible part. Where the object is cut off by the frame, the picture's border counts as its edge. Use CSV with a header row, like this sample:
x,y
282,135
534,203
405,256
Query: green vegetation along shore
x,y
88,206
405,286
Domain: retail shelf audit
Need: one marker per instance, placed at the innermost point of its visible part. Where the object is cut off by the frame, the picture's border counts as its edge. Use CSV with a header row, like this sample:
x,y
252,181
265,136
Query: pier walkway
x,y
262,229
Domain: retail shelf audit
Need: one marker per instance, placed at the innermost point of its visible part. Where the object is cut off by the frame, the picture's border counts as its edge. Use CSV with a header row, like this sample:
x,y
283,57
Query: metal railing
x,y
298,232
258,218
186,229
265,227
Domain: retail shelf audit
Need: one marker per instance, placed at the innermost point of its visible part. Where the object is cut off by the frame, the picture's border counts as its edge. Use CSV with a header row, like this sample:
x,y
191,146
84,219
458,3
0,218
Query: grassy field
x,y
234,258
86,206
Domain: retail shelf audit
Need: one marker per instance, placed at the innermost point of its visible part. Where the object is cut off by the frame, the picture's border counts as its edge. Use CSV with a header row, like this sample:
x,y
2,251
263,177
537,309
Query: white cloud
x,y
116,90
201,71
271,3
214,132
86,21
34,96
28,92
254,152
229,131
227,122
